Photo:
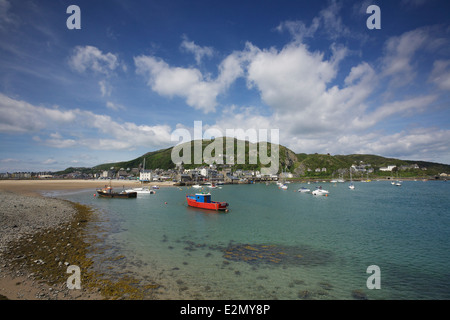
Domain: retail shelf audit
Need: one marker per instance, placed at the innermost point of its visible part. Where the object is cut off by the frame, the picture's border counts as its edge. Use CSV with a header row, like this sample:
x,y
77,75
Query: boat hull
x,y
320,193
120,195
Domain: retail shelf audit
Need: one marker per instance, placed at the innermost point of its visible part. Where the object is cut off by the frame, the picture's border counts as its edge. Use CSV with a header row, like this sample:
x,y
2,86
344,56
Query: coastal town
x,y
227,174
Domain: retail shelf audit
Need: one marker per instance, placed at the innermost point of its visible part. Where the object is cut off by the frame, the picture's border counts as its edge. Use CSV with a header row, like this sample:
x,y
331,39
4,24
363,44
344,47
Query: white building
x,y
145,175
204,172
388,168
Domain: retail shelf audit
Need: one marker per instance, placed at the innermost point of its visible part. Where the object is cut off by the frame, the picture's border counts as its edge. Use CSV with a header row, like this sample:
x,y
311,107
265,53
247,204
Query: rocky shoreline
x,y
30,227
41,238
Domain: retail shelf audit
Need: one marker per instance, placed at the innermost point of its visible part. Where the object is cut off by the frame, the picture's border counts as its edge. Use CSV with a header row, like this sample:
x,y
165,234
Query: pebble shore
x,y
42,237
23,215
26,223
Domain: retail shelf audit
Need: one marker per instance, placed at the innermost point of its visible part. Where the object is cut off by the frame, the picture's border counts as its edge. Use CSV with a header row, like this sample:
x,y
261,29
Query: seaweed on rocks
x,y
45,252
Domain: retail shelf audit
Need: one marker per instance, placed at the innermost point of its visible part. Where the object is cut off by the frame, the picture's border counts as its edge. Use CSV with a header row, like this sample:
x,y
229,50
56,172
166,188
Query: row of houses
x,y
404,167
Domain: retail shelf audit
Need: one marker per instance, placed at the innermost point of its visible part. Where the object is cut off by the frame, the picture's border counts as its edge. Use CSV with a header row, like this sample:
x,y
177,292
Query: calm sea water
x,y
282,244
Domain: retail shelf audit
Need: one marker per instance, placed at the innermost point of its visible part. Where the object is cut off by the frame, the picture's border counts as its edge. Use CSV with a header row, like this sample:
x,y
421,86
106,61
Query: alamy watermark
x,y
74,281
374,281
221,149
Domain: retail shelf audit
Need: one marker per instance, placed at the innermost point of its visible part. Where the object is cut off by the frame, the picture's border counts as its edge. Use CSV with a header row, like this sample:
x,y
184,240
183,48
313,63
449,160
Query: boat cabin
x,y
203,197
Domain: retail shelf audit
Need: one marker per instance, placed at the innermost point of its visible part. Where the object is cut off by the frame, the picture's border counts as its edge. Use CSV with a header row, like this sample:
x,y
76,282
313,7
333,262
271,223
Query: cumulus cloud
x,y
199,91
91,58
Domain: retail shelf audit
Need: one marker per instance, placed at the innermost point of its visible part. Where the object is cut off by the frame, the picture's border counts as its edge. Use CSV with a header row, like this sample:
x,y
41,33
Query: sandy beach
x,y
41,236
37,187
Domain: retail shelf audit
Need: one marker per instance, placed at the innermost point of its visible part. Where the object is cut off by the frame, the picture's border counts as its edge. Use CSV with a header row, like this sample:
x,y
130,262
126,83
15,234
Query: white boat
x,y
284,187
351,186
304,190
144,190
196,186
398,184
320,192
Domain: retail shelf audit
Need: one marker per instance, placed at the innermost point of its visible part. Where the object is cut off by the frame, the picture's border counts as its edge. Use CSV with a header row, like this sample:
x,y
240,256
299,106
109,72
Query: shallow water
x,y
282,244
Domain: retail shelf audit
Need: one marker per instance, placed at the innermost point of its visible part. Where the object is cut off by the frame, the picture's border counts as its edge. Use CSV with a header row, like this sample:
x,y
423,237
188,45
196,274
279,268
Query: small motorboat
x,y
320,192
203,200
144,190
304,190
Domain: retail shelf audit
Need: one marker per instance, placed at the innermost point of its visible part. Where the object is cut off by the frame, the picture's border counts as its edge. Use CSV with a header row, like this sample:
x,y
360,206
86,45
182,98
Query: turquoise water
x,y
282,244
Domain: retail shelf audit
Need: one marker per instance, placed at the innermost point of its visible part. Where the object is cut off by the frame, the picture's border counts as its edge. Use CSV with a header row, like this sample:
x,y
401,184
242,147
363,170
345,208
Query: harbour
x,y
283,244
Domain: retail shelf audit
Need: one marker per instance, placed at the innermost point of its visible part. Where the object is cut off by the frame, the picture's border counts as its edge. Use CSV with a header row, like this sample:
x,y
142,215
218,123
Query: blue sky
x,y
137,70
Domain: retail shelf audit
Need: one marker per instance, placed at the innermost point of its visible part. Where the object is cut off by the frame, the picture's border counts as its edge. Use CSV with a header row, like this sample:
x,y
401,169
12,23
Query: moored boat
x,y
203,200
143,190
320,192
304,190
108,192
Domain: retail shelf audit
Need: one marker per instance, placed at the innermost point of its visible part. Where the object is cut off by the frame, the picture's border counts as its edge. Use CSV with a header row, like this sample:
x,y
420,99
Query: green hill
x,y
162,158
300,165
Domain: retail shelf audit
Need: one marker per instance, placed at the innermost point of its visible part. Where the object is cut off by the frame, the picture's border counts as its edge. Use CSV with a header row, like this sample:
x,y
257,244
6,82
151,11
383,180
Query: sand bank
x,y
34,187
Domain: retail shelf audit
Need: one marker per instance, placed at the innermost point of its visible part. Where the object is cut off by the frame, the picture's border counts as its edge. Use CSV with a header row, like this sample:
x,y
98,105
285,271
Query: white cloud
x,y
402,108
291,78
18,116
428,144
49,161
105,88
6,17
198,51
114,106
441,74
400,61
91,58
327,23
399,53
199,91
86,59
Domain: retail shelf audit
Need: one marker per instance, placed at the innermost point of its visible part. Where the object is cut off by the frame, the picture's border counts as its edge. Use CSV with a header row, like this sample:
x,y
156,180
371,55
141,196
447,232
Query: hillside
x,y
297,164
162,158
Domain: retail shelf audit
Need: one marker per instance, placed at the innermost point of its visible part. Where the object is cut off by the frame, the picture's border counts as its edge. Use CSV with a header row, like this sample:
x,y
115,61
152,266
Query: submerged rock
x,y
276,254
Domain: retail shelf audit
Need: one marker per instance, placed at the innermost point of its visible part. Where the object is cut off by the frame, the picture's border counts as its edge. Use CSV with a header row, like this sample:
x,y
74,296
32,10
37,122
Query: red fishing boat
x,y
203,200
